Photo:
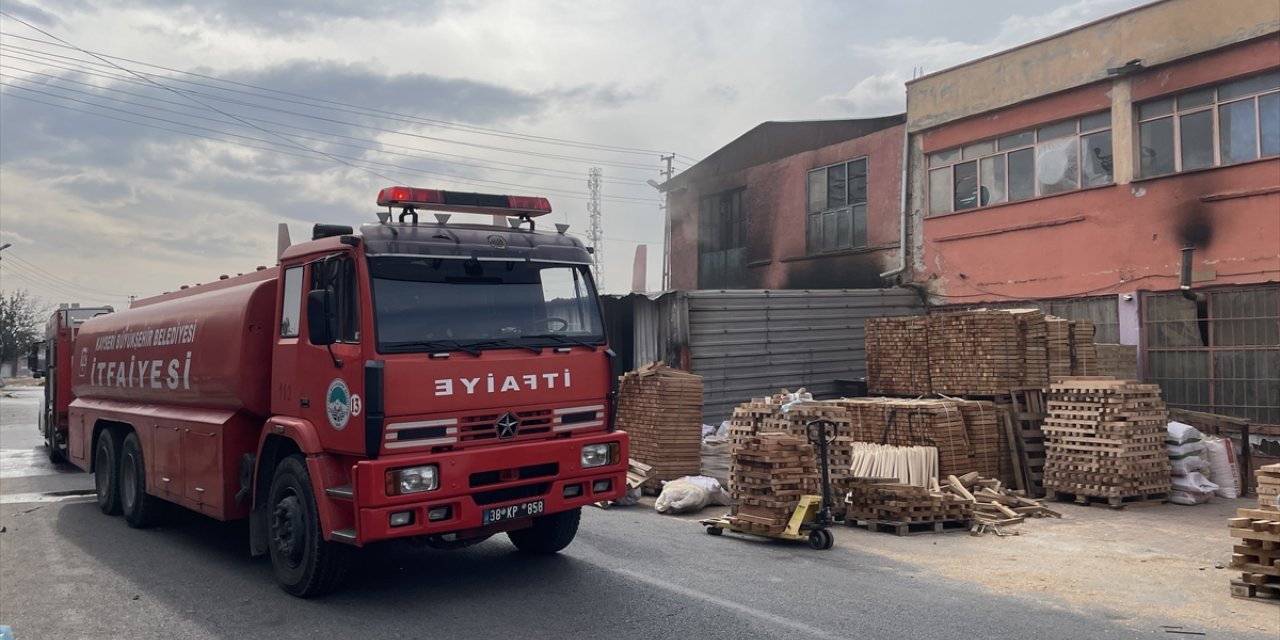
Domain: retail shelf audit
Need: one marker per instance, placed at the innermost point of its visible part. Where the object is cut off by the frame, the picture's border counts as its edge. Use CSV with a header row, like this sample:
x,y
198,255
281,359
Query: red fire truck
x,y
425,380
51,357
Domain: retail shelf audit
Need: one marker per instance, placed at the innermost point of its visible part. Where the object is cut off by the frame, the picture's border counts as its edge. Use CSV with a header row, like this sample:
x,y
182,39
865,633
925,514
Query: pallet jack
x,y
812,516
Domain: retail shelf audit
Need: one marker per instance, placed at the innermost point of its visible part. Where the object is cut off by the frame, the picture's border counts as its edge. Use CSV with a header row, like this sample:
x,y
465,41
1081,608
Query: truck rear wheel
x,y
141,509
305,564
549,534
106,473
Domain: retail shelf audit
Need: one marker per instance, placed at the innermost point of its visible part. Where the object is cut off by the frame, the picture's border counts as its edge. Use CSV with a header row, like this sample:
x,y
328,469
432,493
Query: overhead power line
x,y
432,121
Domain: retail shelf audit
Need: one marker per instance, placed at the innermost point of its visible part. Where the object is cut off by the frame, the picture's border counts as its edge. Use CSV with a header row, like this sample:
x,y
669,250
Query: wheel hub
x,y
287,530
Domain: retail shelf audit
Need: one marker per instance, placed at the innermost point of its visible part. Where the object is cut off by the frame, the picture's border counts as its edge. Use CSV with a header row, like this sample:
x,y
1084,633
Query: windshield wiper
x,y
449,345
564,339
504,342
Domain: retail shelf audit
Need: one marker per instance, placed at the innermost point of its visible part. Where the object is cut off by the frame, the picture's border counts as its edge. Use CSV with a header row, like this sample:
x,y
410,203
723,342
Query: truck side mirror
x,y
320,329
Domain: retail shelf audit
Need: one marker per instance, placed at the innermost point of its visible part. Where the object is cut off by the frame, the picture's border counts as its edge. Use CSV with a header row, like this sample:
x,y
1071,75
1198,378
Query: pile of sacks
x,y
1201,466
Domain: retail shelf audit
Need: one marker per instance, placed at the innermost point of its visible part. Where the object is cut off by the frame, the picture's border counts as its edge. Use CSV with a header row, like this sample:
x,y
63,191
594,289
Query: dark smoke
x,y
1194,227
853,272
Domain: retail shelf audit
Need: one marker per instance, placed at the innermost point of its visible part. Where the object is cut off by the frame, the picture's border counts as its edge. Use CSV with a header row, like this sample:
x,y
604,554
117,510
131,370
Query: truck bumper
x,y
474,481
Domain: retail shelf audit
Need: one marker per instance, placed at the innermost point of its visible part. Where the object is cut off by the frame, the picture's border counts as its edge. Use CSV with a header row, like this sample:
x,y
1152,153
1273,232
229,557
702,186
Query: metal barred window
x,y
1223,358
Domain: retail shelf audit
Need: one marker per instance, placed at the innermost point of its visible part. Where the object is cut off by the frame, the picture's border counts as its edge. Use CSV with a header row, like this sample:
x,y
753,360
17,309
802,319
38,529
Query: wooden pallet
x,y
911,528
1114,502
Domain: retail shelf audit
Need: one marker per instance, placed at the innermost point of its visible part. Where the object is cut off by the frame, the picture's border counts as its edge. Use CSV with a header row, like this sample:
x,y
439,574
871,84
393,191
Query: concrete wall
x,y
1156,34
776,201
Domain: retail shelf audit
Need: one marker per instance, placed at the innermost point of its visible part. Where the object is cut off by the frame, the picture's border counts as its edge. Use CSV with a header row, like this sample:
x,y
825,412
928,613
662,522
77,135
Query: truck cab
x,y
50,359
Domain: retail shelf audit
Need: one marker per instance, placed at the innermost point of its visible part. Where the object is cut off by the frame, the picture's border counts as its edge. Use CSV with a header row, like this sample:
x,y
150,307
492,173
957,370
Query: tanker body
x,y
437,382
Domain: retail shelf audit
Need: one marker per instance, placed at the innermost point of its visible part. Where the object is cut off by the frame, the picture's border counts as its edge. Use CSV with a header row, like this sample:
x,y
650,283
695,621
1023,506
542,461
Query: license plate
x,y
502,514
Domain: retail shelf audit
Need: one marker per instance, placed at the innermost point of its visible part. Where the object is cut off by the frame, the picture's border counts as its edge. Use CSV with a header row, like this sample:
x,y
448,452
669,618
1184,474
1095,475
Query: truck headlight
x,y
599,455
412,480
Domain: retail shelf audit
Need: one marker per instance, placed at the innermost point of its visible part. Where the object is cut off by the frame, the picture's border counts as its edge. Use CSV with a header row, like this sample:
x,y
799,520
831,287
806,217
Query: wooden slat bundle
x,y
1033,335
898,356
928,423
1104,438
982,429
661,409
1084,356
1117,360
1058,331
1257,553
974,352
1268,485
769,473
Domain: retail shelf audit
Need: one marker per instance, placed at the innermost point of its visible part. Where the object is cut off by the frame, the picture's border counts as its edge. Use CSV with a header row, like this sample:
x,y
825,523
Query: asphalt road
x,y
68,571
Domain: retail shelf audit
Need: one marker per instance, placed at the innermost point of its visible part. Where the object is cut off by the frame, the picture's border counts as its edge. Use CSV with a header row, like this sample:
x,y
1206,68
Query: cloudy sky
x,y
153,143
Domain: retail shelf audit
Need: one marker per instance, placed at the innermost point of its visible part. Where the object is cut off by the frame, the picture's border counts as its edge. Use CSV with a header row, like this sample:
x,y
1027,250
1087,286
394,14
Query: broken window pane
x,y
991,172
1238,132
966,185
1197,140
817,190
1155,143
940,190
1022,176
1095,166
1056,166
1269,119
835,186
857,181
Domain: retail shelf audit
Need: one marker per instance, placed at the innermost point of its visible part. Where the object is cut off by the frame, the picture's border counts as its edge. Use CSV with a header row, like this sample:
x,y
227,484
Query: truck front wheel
x,y
141,509
304,563
106,473
549,534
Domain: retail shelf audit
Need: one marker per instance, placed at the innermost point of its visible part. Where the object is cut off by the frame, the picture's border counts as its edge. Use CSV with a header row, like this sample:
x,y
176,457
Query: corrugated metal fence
x,y
752,343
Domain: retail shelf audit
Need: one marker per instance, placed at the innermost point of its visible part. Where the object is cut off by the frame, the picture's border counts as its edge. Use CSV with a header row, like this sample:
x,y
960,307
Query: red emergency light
x,y
439,200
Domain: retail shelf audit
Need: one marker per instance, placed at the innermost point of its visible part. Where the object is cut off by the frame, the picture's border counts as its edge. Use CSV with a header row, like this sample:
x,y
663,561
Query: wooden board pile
x,y
1084,356
1104,439
1257,553
975,352
898,356
1268,486
769,473
1058,332
982,431
926,423
769,416
1117,360
873,502
1033,336
993,504
661,409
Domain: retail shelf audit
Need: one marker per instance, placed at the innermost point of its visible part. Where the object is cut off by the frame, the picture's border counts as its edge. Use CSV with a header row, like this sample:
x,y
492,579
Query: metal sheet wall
x,y
751,343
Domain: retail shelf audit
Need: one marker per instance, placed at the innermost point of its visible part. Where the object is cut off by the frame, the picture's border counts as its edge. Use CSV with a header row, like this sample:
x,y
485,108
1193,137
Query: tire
x,y
829,539
51,439
141,509
715,531
106,473
549,534
305,564
816,539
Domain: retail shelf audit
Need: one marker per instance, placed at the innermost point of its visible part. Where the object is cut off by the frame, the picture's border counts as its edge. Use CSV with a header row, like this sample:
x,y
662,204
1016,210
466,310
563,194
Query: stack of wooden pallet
x,y
975,352
898,356
661,409
1058,335
880,504
1104,440
1268,485
769,473
1117,360
1257,553
1084,356
795,421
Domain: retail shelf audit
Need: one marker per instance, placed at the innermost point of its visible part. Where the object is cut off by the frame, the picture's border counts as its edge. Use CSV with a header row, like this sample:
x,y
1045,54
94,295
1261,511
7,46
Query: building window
x,y
1220,356
837,211
1233,122
722,240
1059,157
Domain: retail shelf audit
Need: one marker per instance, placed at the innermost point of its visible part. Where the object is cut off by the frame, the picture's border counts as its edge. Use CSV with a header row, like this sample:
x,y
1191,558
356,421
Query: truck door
x,y
331,377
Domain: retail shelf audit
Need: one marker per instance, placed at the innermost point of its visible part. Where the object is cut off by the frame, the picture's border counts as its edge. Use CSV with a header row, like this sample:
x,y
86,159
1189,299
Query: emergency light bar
x,y
438,200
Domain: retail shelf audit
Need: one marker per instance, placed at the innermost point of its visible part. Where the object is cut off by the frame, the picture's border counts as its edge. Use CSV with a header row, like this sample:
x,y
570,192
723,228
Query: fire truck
x,y
430,380
51,357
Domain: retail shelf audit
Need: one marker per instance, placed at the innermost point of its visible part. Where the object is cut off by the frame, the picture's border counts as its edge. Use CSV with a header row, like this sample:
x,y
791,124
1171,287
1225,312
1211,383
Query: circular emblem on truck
x,y
337,404
497,242
84,360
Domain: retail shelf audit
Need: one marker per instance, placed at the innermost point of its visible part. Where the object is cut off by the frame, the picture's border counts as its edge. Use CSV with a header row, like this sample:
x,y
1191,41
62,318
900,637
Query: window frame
x,y
296,303
959,156
857,210
1214,106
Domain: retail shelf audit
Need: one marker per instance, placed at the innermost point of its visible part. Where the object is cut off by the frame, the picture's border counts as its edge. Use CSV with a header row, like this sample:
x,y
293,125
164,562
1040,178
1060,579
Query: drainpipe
x,y
902,223
1184,284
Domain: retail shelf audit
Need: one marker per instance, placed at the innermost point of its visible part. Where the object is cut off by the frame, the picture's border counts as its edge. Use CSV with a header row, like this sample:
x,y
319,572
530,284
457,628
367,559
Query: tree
x,y
19,325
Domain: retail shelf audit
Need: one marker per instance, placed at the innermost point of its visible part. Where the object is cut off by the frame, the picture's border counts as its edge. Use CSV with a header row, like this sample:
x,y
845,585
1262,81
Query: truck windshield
x,y
433,304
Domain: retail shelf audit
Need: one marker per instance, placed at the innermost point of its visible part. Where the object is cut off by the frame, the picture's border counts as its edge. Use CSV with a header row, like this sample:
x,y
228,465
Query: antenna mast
x,y
595,233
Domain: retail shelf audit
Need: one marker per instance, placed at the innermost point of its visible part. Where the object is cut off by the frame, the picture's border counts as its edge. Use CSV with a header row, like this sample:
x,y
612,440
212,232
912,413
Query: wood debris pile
x,y
993,504
660,408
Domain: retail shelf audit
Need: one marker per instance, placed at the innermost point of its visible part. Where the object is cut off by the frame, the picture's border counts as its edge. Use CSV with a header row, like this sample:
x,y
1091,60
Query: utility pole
x,y
666,226
595,233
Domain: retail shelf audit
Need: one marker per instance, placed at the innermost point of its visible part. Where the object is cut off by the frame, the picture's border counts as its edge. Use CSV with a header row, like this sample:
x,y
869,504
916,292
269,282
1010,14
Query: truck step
x,y
343,492
344,535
